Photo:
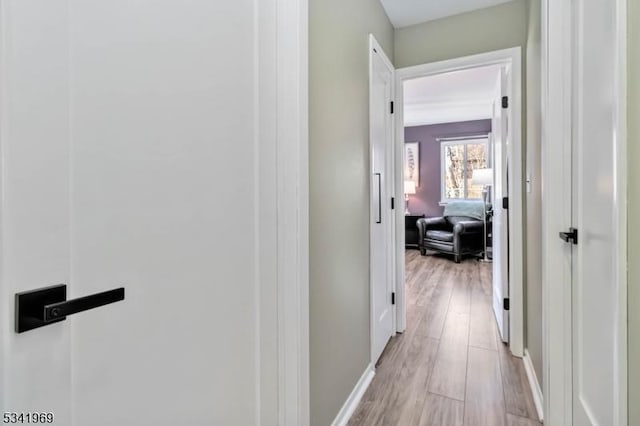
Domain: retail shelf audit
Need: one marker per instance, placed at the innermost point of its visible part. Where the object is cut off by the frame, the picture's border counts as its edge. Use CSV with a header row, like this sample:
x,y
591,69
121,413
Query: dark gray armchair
x,y
456,235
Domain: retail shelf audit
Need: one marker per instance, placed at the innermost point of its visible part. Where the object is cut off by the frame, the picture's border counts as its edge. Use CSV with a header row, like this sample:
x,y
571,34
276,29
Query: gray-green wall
x,y
533,265
339,196
516,23
634,211
484,30
339,116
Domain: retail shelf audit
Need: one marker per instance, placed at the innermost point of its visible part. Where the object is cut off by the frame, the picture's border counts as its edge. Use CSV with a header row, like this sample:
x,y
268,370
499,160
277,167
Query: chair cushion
x,y
445,236
453,220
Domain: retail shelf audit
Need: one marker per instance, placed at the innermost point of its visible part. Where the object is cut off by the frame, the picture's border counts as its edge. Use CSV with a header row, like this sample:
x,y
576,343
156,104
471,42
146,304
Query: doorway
x,y
501,186
451,332
505,195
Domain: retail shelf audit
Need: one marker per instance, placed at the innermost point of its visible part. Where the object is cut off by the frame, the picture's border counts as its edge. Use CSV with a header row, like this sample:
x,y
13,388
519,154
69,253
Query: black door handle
x,y
570,237
379,220
44,306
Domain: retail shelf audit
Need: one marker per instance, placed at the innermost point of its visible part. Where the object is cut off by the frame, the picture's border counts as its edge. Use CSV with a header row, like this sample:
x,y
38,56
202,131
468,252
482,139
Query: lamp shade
x,y
409,187
482,177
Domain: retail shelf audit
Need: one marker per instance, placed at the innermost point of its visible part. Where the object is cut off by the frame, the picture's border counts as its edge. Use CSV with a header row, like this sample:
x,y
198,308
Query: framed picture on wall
x,y
412,162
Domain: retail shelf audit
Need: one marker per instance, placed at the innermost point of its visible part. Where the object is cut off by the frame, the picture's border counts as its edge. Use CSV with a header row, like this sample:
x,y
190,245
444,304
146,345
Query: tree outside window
x,y
459,159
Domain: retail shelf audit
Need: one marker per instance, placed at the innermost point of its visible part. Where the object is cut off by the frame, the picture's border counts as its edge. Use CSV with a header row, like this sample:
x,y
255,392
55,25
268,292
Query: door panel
x,y
594,275
35,199
128,160
381,217
500,218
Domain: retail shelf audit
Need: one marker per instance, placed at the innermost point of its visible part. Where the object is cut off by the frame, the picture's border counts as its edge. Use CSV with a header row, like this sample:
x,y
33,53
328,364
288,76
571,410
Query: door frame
x,y
376,48
558,23
512,57
282,74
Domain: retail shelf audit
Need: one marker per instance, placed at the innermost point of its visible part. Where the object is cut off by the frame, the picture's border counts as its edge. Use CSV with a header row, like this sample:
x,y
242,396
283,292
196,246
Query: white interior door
x,y
382,248
594,293
500,189
128,161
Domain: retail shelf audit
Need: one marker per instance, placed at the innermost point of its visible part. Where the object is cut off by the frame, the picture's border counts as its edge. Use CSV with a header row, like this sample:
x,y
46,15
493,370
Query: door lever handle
x,y
58,310
379,220
37,308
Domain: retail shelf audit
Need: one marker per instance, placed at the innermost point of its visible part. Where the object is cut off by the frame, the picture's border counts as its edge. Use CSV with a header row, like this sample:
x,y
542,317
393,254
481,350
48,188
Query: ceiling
x,y
451,97
403,13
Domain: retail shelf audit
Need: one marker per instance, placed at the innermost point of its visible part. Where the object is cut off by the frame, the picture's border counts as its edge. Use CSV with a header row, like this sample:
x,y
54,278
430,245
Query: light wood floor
x,y
449,367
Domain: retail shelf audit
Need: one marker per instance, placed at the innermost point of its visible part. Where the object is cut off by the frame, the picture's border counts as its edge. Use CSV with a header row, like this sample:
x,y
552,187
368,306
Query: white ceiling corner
x,y
403,13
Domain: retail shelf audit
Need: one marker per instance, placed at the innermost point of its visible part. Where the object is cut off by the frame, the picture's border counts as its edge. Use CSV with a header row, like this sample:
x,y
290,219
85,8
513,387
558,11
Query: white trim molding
x,y
557,66
425,114
506,57
534,384
559,20
355,396
621,184
285,22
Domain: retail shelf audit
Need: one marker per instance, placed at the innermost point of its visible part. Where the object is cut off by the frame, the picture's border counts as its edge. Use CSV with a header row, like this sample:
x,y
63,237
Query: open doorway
x,y
462,120
455,177
458,243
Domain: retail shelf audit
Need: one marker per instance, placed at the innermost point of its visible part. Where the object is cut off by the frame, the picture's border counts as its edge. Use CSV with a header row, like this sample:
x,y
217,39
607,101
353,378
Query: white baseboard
x,y
354,398
534,384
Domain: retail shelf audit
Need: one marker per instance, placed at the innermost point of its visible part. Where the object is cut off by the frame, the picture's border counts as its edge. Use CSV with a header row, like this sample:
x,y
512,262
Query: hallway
x,y
449,367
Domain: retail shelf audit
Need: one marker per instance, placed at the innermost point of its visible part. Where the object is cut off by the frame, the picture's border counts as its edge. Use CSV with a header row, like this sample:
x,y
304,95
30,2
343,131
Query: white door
x,y
594,270
381,146
128,161
500,189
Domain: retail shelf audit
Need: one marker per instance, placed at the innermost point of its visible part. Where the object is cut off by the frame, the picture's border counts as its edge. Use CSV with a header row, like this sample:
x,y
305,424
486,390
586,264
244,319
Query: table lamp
x,y
409,188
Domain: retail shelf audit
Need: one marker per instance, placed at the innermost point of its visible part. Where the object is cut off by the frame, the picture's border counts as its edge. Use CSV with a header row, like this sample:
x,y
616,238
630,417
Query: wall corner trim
x,y
354,398
536,391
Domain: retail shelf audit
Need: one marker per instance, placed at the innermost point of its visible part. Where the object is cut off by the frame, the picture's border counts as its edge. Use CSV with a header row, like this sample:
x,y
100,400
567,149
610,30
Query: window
x,y
459,159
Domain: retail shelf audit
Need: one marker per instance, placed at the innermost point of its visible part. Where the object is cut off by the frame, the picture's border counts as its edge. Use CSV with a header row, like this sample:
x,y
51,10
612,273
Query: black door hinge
x,y
391,107
505,203
505,304
570,237
505,102
393,298
393,203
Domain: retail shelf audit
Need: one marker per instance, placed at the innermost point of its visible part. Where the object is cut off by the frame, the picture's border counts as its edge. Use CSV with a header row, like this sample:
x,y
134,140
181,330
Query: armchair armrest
x,y
425,224
468,227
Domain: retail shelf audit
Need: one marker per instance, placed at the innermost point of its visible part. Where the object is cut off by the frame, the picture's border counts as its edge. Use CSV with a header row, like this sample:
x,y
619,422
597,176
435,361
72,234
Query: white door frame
x,y
374,45
512,57
558,23
282,52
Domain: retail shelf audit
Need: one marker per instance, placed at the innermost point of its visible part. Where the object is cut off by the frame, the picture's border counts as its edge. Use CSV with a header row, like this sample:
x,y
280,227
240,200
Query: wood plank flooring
x,y
449,367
